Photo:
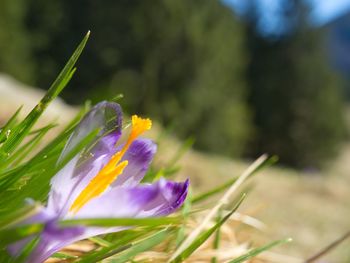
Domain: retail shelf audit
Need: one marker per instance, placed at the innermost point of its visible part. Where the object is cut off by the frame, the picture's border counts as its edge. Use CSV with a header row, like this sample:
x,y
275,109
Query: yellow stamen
x,y
97,186
112,169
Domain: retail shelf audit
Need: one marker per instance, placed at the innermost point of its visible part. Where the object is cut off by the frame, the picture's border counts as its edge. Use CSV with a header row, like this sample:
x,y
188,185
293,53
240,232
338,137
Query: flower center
x,y
112,169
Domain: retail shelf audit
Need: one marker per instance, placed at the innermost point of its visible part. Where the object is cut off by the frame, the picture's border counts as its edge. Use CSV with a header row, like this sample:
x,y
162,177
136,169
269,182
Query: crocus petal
x,y
69,182
171,195
149,200
66,185
139,156
53,239
158,199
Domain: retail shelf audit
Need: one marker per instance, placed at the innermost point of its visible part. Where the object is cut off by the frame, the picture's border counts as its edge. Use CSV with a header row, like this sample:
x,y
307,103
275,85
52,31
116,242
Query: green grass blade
x,y
186,209
19,133
8,172
12,218
6,129
63,256
214,191
105,254
11,235
58,143
141,246
28,148
181,151
204,236
100,241
109,222
118,246
117,97
256,251
217,237
49,126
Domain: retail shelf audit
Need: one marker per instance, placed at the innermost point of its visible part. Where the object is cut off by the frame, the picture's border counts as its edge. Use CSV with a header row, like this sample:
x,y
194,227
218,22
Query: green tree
x,y
179,61
294,94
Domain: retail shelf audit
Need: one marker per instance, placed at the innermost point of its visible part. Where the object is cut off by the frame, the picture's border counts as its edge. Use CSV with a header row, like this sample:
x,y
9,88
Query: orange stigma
x,y
112,169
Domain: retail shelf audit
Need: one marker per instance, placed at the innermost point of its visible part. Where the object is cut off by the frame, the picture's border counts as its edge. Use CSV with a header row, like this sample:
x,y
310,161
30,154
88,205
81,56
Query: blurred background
x,y
244,77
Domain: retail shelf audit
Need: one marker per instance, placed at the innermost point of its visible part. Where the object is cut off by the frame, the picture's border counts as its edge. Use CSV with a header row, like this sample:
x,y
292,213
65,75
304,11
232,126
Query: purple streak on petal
x,y
158,199
170,197
68,183
139,156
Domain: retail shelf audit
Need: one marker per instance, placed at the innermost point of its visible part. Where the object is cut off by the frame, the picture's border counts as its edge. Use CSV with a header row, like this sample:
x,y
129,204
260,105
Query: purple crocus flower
x,y
103,182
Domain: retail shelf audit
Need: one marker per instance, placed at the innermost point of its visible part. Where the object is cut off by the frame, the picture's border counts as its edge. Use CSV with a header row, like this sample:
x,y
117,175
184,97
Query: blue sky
x,y
326,10
323,11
